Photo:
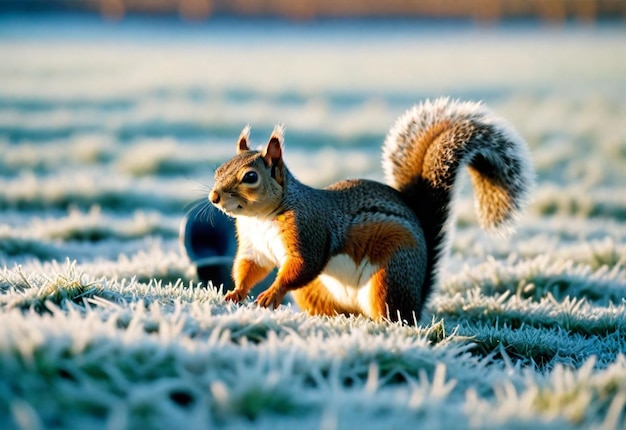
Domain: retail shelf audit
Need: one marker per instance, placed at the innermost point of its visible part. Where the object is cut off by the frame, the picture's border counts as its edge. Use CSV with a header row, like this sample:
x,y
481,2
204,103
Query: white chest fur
x,y
261,241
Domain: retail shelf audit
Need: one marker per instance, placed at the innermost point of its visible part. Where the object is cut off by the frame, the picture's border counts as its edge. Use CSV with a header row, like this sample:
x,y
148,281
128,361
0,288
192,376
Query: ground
x,y
108,133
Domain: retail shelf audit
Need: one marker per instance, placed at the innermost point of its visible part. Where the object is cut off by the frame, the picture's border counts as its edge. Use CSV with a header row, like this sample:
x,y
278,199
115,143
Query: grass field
x,y
108,133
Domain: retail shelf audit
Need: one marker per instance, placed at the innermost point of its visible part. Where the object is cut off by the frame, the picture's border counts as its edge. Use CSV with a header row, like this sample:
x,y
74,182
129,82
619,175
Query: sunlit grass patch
x,y
544,276
24,293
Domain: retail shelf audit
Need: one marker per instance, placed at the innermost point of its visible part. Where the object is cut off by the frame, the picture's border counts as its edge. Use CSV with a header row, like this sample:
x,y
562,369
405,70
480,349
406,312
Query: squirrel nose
x,y
214,197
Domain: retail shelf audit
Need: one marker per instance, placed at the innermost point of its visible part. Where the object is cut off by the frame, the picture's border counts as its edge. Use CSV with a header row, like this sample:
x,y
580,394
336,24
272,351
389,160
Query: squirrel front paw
x,y
271,298
235,296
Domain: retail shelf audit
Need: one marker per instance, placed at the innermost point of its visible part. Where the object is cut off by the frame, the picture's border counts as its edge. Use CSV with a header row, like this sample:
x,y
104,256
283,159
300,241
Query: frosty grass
x,y
104,325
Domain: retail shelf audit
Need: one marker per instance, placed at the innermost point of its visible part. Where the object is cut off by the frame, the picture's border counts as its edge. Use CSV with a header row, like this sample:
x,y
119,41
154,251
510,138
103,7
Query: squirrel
x,y
360,246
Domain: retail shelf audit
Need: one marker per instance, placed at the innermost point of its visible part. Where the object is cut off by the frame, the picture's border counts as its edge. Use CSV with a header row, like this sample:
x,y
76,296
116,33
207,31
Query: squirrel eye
x,y
250,178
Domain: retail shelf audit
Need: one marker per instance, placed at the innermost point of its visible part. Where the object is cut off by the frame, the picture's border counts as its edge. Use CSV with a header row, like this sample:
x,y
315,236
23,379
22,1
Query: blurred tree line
x,y
481,10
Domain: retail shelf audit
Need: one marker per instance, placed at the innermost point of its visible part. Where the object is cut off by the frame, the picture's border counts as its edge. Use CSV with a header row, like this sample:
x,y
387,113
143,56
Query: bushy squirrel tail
x,y
425,151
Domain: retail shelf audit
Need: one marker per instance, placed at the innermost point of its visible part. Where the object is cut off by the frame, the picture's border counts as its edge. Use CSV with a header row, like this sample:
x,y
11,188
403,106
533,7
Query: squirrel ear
x,y
273,153
242,144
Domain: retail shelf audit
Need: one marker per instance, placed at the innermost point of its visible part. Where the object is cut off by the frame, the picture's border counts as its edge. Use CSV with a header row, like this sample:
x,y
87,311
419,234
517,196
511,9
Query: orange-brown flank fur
x,y
376,241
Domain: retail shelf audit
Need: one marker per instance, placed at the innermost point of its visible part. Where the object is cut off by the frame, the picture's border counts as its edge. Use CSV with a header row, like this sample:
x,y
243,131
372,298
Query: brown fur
x,y
416,159
290,273
246,274
316,300
376,241
379,294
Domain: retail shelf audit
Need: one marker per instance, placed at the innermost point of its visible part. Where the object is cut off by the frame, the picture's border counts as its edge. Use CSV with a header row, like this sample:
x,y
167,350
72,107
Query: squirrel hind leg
x,y
396,290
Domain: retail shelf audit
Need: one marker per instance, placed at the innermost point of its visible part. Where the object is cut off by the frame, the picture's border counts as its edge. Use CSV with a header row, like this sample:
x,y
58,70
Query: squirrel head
x,y
251,183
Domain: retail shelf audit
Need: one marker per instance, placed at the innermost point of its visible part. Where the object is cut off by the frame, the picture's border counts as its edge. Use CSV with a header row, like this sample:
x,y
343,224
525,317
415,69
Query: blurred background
x,y
482,10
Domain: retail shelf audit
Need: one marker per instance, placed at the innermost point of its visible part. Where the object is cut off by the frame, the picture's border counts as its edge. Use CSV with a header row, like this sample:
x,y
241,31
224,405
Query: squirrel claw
x,y
270,299
235,296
